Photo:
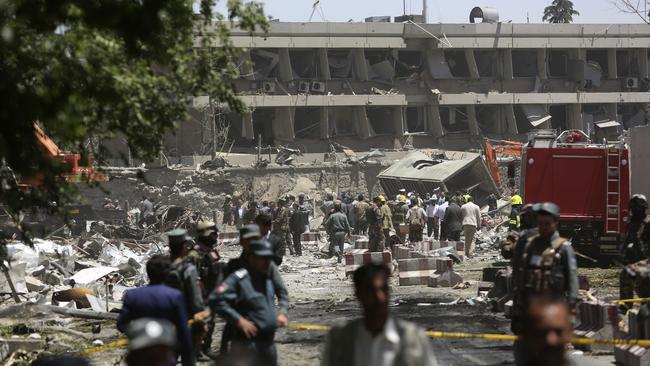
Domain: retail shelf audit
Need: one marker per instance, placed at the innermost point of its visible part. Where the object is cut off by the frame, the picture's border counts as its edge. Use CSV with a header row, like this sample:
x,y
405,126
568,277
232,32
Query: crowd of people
x,y
174,316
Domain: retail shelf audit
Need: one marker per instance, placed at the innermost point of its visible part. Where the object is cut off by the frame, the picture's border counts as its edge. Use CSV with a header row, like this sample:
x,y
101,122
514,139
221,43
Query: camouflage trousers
x,y
375,238
626,289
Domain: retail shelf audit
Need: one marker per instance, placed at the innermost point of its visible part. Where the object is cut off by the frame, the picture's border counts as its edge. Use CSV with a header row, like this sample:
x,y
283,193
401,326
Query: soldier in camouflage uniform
x,y
281,225
184,276
636,248
544,266
375,226
210,269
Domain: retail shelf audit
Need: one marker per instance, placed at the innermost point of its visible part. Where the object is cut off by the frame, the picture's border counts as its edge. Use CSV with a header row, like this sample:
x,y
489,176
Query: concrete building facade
x,y
379,84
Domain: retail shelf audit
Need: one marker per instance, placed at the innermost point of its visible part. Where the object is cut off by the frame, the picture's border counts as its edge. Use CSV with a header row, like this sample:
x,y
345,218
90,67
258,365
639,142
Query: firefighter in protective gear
x,y
516,204
527,228
636,247
545,264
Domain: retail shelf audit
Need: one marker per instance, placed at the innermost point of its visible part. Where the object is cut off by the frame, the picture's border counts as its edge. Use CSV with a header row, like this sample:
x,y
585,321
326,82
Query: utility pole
x,y
404,2
424,11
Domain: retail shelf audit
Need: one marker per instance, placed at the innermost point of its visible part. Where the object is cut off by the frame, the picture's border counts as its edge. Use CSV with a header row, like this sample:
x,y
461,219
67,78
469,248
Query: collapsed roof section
x,y
449,170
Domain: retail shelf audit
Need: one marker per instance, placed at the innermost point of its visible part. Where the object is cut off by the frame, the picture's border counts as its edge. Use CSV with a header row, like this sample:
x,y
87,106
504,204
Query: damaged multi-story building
x,y
383,84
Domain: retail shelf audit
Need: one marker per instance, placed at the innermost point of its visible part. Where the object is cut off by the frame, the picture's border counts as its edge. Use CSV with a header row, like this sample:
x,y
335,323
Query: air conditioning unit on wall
x,y
303,87
318,86
631,83
268,87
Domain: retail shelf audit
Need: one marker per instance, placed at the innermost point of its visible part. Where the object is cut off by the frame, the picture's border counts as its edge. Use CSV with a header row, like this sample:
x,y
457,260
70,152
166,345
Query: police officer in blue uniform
x,y
246,300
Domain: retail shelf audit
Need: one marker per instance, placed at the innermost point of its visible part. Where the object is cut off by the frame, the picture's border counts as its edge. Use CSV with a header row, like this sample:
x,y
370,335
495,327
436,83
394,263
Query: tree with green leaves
x,y
560,11
89,70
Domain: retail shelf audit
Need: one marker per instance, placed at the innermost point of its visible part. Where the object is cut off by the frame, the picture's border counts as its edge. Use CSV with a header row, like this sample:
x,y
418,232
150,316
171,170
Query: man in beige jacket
x,y
378,339
471,222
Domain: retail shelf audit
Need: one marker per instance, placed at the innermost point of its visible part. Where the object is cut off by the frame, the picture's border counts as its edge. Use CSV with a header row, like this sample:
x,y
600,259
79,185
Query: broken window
x,y
264,63
262,125
454,118
307,122
381,120
340,63
342,121
415,117
558,114
486,61
524,63
457,63
381,65
599,57
487,117
523,124
557,63
305,64
624,63
408,63
633,114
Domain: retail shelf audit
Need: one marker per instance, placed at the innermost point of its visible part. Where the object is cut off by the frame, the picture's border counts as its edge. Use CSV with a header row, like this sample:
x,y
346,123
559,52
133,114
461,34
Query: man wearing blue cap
x,y
246,300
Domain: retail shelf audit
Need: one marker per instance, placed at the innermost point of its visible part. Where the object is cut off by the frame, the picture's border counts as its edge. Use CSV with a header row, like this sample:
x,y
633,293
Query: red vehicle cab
x,y
589,181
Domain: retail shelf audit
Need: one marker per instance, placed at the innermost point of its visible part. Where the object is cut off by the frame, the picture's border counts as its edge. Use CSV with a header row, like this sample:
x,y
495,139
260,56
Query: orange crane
x,y
494,148
76,169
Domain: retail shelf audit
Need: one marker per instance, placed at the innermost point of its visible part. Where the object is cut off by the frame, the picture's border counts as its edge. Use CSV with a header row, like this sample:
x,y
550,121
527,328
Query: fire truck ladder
x,y
613,184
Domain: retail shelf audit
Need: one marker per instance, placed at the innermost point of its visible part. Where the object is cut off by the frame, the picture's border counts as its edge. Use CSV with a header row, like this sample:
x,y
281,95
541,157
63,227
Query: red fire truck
x,y
589,181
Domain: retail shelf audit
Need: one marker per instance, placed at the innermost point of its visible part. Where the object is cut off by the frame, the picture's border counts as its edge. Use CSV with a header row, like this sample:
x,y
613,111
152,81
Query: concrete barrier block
x,y
416,271
358,257
598,320
401,252
361,244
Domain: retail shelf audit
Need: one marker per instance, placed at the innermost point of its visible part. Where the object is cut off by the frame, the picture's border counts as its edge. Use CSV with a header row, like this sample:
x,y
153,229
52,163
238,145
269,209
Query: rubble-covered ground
x,y
109,258
320,294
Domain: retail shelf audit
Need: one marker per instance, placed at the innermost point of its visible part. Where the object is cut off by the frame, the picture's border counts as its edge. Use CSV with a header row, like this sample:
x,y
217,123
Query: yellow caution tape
x,y
432,334
631,301
106,347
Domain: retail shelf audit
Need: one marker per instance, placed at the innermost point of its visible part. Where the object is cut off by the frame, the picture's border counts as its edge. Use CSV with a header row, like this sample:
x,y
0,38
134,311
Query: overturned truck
x,y
449,171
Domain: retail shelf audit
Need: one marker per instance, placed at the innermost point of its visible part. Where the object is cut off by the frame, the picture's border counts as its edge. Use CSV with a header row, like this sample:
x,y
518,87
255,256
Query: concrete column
x,y
471,64
246,68
506,58
471,119
324,64
397,120
612,64
359,64
542,64
285,71
642,60
325,131
574,116
434,123
283,124
362,124
247,130
511,121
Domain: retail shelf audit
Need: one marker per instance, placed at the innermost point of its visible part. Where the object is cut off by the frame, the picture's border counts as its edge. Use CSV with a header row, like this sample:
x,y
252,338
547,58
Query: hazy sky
x,y
446,11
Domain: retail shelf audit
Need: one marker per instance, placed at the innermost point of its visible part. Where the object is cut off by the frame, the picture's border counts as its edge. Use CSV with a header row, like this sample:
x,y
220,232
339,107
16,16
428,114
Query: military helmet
x,y
205,228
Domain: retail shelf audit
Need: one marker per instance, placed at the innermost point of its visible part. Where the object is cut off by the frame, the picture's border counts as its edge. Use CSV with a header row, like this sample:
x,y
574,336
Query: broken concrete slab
x,y
34,284
446,279
89,275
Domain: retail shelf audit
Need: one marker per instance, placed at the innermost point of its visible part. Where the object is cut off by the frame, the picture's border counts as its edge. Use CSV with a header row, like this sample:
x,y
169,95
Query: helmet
x,y
638,205
382,198
639,199
205,228
516,200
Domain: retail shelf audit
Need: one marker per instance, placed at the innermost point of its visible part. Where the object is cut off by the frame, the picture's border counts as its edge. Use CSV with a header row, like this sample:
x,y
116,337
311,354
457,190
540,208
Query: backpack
x,y
415,218
371,216
175,276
